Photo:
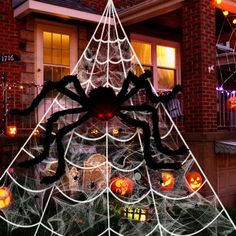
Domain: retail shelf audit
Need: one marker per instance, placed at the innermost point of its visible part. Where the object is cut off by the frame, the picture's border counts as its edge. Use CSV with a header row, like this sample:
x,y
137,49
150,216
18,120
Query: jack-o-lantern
x,y
11,130
122,186
168,181
5,197
232,103
194,180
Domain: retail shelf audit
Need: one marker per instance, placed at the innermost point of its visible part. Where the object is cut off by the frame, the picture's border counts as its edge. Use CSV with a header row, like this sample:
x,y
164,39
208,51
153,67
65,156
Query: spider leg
x,y
162,98
157,138
49,86
60,149
48,135
137,81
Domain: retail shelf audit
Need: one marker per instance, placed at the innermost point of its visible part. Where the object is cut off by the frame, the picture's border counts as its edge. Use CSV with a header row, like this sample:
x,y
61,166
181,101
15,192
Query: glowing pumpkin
x,y
122,186
168,181
5,197
136,214
194,180
11,130
232,103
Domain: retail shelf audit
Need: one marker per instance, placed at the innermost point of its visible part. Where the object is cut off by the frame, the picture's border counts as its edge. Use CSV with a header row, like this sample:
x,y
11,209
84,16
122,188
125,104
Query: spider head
x,y
103,103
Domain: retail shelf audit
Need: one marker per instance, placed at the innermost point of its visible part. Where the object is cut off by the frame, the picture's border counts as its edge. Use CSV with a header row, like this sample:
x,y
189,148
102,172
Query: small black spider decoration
x,y
103,104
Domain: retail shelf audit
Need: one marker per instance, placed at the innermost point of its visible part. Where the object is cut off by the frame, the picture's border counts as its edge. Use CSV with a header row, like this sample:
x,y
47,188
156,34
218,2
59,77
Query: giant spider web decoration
x,y
82,201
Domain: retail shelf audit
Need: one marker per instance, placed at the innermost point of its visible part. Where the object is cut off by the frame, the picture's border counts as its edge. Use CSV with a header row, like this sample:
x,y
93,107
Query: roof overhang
x,y
225,146
148,9
229,5
30,6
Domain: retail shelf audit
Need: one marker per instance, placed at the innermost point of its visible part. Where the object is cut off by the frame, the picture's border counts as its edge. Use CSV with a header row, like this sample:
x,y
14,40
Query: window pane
x,y
165,56
65,57
65,41
47,39
56,56
47,56
65,71
165,78
56,41
143,52
48,73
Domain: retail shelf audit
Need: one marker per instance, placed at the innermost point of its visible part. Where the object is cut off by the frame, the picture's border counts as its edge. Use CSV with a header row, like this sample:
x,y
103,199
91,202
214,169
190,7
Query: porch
x,y
20,95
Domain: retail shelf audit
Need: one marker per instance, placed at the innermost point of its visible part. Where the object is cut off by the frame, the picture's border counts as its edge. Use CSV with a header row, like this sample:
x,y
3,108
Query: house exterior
x,y
179,41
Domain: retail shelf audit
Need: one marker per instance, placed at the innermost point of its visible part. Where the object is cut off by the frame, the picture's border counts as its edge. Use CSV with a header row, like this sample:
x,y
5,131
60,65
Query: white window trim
x,y
41,26
162,42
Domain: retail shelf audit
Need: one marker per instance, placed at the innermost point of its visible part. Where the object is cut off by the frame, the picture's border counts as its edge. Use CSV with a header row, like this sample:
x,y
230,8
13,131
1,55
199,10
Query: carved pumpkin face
x,y
168,181
194,180
122,186
5,197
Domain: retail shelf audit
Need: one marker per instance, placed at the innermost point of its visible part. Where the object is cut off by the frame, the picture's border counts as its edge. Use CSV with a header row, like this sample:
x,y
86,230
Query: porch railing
x,y
20,95
226,109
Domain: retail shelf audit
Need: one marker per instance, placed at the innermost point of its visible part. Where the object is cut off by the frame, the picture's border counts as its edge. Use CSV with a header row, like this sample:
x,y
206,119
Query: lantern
x,y
137,214
194,180
11,130
232,103
122,186
168,181
5,197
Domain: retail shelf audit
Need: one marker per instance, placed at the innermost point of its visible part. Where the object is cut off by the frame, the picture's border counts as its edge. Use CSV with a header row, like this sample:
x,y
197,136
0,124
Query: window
x,y
161,57
56,50
56,55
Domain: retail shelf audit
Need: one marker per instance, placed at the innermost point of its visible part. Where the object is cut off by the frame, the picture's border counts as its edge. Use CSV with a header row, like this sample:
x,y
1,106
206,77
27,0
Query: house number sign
x,y
9,58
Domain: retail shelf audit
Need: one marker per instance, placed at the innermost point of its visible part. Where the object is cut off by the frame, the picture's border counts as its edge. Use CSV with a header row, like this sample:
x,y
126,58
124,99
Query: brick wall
x,y
197,55
9,43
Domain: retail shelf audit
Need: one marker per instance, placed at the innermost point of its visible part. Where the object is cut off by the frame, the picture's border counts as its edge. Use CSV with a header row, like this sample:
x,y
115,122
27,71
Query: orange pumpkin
x,y
168,181
194,180
232,103
5,197
11,130
122,186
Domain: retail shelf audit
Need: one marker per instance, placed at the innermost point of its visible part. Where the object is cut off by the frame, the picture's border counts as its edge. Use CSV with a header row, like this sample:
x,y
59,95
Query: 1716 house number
x,y
9,58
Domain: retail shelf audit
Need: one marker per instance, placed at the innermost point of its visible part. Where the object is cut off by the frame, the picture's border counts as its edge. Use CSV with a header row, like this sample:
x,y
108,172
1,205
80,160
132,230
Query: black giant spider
x,y
103,104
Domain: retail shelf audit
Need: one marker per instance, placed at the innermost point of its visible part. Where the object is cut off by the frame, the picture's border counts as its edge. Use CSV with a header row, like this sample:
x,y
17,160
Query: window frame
x,y
161,42
60,28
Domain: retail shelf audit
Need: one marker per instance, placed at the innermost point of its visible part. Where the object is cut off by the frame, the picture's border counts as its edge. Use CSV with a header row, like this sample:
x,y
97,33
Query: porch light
x,y
234,21
11,130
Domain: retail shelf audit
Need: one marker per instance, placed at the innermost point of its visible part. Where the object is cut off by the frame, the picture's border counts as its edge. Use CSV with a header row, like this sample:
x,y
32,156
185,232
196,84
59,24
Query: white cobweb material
x,y
81,202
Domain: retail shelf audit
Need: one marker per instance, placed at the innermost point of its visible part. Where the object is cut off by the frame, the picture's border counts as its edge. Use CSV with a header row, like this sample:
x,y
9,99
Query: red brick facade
x,y
9,44
198,53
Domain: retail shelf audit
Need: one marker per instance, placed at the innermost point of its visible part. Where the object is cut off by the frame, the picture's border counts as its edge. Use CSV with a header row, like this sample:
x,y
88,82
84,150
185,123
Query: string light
x,y
226,13
234,21
218,2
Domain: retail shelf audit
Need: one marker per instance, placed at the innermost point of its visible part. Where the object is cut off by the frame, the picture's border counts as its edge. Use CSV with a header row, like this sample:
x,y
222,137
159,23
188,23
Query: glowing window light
x,y
166,56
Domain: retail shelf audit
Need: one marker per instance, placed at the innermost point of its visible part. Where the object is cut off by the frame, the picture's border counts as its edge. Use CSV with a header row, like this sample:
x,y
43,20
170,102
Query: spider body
x,y
100,106
103,103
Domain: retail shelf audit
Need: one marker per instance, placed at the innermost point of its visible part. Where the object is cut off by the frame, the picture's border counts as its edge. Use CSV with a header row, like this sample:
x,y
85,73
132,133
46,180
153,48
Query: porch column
x,y
198,77
199,82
